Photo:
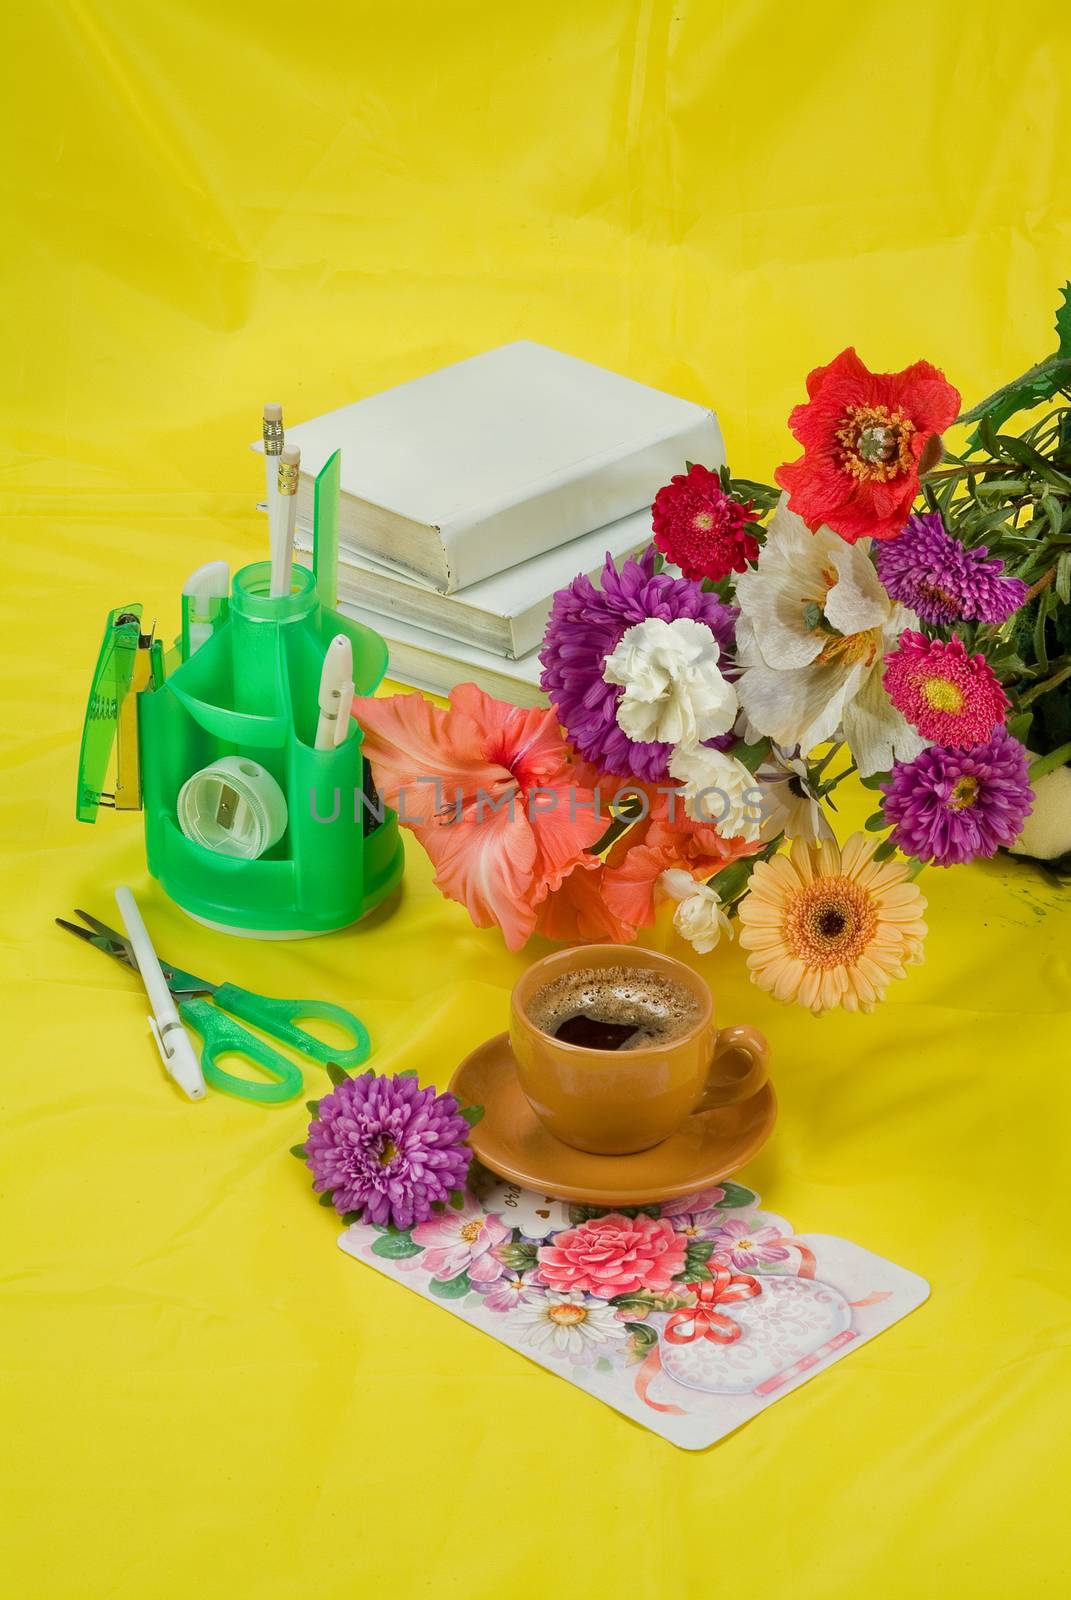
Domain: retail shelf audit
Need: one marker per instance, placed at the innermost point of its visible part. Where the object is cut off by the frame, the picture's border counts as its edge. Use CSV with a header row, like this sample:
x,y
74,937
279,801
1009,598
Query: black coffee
x,y
614,1008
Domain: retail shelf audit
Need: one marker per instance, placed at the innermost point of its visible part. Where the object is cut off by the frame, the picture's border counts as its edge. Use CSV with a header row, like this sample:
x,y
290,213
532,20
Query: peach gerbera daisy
x,y
829,927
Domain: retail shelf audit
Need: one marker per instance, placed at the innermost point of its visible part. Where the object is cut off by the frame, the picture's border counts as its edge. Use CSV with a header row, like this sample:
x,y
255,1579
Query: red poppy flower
x,y
700,528
865,437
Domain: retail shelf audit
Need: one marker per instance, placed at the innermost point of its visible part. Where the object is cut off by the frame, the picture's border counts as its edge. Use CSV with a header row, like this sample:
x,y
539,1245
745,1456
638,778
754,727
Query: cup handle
x,y
739,1067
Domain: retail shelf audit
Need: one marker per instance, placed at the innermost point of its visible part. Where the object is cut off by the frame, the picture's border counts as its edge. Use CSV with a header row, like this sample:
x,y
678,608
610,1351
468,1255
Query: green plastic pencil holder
x,y
251,691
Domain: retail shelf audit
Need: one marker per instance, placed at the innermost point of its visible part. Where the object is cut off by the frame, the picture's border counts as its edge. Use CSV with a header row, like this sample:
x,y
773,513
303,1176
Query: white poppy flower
x,y
699,917
718,790
788,802
674,689
815,624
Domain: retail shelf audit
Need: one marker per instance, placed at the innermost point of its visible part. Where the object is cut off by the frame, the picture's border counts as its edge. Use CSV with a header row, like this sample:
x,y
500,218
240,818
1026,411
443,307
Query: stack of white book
x,y
470,496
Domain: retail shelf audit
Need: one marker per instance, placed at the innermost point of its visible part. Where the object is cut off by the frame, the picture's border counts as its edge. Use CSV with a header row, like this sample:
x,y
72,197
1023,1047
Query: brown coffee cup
x,y
617,1102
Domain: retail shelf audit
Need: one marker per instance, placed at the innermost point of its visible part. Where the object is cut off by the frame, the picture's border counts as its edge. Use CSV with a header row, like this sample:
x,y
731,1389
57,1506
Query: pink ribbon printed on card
x,y
690,1317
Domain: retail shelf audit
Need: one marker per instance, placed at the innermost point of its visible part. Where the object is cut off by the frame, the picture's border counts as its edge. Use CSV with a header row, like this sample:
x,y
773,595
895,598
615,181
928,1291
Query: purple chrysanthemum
x,y
951,806
585,625
941,580
388,1148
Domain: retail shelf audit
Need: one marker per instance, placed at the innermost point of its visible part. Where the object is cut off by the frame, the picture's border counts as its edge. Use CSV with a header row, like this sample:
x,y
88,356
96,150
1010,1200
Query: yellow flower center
x,y
703,521
829,923
943,695
851,648
567,1316
471,1232
964,794
875,443
387,1152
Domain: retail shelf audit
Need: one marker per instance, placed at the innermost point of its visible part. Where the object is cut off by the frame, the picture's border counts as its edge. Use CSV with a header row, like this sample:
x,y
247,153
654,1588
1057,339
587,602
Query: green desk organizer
x,y
251,690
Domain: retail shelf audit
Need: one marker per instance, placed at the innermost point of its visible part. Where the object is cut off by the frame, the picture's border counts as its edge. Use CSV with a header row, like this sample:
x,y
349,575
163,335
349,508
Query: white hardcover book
x,y
477,467
426,660
507,613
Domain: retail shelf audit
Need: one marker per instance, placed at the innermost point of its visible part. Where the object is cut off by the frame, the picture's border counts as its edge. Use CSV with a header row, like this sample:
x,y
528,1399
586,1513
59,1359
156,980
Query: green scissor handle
x,y
222,1037
278,1017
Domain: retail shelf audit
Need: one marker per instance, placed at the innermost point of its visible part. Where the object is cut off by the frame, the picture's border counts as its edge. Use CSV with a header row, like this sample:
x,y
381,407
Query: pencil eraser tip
x,y
273,412
291,455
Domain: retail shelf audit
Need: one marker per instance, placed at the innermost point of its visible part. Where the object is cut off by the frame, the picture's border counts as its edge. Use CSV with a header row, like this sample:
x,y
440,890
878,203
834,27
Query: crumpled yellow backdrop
x,y
208,204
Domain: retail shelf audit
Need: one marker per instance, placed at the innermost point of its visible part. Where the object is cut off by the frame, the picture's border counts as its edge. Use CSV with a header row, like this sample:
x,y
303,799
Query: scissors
x,y
220,1036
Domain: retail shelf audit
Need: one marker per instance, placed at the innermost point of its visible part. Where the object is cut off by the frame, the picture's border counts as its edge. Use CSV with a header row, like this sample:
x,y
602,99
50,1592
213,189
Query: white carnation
x,y
674,689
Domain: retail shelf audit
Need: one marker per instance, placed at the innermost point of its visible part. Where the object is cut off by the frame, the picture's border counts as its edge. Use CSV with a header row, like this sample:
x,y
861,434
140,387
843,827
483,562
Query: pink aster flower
x,y
507,1292
951,806
700,528
462,1241
952,698
749,1243
696,1215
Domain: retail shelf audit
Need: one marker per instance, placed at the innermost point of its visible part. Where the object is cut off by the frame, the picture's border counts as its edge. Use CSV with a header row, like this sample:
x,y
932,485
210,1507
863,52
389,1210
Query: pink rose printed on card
x,y
614,1255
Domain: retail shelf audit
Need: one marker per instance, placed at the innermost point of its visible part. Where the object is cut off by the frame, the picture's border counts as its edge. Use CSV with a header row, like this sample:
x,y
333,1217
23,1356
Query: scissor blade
x,y
101,937
102,927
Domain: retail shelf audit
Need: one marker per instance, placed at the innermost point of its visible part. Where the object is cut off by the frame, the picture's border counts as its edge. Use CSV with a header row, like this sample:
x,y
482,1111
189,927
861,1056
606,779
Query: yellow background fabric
x,y
211,204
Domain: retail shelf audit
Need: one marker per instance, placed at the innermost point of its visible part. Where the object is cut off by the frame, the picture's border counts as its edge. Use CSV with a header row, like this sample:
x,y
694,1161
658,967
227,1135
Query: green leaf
x,y
735,1196
699,1251
410,1072
395,1246
519,1257
885,849
350,1217
699,1274
1063,320
602,1365
750,756
313,1106
452,1288
1046,764
875,780
643,1336
327,1198
1040,382
1063,578
635,1300
472,1114
1019,726
337,1074
298,1150
457,1200
812,616
876,823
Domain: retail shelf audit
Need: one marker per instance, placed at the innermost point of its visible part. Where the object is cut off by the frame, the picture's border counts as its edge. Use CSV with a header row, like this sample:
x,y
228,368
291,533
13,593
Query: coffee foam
x,y
659,1008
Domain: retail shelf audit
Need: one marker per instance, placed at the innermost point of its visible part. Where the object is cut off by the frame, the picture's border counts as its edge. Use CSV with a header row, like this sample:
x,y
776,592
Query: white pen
x,y
282,549
336,693
172,1040
272,433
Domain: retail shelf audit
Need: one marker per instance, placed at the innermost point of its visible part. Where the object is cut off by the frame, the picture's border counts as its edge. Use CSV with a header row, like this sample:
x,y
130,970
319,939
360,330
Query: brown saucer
x,y
510,1140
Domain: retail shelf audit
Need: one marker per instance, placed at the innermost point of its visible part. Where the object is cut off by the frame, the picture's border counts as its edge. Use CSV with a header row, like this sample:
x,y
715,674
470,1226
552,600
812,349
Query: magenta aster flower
x,y
951,806
951,697
585,625
387,1148
944,582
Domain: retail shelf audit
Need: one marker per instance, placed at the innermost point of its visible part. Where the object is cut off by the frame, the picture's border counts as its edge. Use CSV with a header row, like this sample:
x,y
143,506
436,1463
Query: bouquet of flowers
x,y
886,611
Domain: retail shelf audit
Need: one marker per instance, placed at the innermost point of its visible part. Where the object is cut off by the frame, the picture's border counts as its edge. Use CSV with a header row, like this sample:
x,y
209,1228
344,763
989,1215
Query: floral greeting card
x,y
690,1317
